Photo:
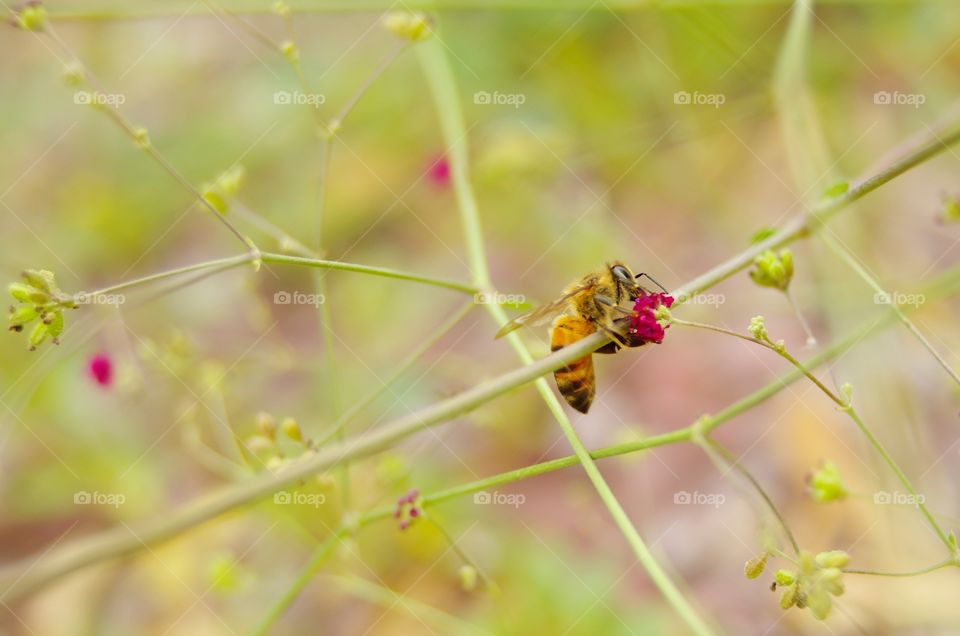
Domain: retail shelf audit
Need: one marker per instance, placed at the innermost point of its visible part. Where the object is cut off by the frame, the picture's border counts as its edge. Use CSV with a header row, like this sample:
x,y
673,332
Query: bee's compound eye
x,y
622,273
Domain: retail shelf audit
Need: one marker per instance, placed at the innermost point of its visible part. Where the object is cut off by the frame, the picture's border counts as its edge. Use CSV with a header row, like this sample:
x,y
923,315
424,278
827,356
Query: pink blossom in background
x,y
439,171
100,368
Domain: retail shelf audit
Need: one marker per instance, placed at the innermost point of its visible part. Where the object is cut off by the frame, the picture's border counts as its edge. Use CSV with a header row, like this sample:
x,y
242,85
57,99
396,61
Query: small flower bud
x,y
789,597
28,294
267,425
275,463
55,326
836,190
847,391
291,429
259,444
468,577
141,138
833,559
22,315
408,26
773,270
213,198
758,328
785,577
74,74
281,9
290,51
754,567
230,181
825,484
40,332
950,211
31,17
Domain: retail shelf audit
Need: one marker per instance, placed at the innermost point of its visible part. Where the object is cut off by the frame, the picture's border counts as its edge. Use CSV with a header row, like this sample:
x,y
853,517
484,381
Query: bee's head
x,y
627,280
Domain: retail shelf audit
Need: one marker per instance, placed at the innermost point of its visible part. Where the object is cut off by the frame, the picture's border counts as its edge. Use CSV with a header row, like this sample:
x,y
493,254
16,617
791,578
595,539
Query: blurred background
x,y
656,136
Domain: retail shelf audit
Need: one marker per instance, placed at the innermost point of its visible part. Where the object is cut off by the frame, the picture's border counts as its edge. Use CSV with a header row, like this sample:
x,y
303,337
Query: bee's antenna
x,y
652,279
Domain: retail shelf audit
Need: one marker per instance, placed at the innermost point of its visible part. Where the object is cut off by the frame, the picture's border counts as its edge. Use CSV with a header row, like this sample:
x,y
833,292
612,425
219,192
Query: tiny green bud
x,y
55,325
408,26
259,444
281,9
21,316
213,198
468,577
73,73
290,51
785,577
755,566
42,279
789,597
825,484
267,424
32,17
141,138
763,234
28,294
291,429
40,332
773,270
847,390
758,328
836,190
950,212
231,180
833,559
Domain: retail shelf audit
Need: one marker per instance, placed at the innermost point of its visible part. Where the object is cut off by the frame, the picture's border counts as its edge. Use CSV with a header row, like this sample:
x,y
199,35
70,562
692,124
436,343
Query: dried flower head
x,y
409,509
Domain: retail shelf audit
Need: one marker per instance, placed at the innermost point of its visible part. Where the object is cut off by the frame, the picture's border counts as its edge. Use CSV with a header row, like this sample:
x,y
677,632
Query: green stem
x,y
443,87
937,566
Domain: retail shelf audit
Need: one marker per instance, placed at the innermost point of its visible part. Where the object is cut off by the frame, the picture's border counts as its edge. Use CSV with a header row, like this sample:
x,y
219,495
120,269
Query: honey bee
x,y
590,304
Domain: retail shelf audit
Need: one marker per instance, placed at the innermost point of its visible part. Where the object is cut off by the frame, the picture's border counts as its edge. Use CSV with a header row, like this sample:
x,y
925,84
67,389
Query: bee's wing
x,y
540,315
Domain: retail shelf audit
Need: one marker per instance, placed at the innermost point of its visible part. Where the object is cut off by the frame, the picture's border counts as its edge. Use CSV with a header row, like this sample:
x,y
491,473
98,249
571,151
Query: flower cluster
x,y
409,509
817,579
41,300
265,445
651,317
773,270
825,484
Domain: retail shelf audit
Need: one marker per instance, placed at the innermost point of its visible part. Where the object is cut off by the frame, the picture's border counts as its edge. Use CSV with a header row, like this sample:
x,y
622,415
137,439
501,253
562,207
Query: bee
x,y
590,304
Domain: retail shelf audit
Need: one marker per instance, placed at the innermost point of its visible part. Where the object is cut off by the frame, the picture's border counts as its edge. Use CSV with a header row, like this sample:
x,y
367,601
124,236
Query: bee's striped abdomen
x,y
575,381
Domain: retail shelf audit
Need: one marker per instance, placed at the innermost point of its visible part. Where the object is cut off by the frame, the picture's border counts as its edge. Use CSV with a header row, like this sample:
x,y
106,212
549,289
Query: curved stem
x,y
937,566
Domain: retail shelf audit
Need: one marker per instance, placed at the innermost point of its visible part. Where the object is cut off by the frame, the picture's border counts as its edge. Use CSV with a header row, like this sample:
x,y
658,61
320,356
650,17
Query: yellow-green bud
x,y
758,328
267,425
785,577
773,270
281,9
290,51
21,316
755,566
291,429
32,17
468,577
38,335
833,559
74,74
409,26
825,484
141,137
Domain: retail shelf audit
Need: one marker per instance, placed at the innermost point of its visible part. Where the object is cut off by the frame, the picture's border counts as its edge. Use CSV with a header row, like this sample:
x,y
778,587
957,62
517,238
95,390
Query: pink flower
x,y
101,369
408,509
439,171
644,324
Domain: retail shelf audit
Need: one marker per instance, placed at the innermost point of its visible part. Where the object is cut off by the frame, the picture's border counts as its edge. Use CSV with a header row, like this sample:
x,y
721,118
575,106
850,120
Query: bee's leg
x,y
604,303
